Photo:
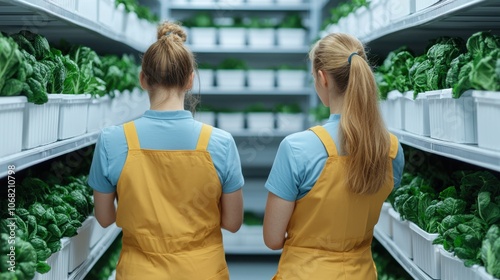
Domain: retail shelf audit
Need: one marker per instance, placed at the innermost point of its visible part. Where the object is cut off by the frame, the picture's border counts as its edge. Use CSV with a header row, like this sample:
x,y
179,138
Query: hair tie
x,y
350,57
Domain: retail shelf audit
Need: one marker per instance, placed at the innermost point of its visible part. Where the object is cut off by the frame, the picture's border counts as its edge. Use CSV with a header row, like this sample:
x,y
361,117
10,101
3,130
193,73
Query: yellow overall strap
x,y
131,136
394,146
206,130
326,139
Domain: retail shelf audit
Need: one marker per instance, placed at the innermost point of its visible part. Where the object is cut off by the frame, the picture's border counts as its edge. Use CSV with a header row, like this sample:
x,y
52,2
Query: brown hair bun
x,y
167,28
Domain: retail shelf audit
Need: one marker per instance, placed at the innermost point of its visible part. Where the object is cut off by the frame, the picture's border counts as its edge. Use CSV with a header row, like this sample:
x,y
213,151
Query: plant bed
x,y
41,122
416,112
261,79
12,115
425,254
401,234
488,109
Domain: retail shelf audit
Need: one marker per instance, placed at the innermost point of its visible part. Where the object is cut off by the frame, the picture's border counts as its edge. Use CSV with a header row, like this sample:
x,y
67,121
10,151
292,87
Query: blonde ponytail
x,y
363,135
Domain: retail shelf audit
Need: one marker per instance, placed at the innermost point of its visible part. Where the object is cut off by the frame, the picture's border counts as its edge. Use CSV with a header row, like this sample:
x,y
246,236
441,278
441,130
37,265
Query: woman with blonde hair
x,y
177,181
327,184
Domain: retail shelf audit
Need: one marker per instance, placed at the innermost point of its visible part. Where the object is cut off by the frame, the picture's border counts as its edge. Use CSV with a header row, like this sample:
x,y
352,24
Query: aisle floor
x,y
252,267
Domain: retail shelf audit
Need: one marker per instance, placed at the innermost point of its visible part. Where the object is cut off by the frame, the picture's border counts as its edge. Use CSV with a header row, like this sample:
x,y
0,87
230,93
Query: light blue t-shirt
x,y
300,159
163,130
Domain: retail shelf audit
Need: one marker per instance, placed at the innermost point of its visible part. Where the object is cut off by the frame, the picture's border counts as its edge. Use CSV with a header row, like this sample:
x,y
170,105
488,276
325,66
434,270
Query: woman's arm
x,y
104,208
232,210
276,218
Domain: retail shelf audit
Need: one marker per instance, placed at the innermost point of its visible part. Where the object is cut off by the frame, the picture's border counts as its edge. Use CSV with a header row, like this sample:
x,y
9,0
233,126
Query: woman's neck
x,y
336,103
166,100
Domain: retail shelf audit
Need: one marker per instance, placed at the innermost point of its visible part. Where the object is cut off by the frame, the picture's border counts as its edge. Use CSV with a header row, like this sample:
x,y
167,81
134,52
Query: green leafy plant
x,y
233,64
202,20
258,108
291,20
288,108
143,12
257,22
14,70
490,251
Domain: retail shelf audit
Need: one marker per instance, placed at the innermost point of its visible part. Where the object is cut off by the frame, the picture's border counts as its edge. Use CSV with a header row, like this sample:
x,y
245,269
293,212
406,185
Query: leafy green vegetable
x,y
143,12
11,64
490,251
233,64
291,20
25,259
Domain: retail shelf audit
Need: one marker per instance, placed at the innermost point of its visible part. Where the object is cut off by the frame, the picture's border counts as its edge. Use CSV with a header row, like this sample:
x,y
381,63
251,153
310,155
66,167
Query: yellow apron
x,y
169,211
330,232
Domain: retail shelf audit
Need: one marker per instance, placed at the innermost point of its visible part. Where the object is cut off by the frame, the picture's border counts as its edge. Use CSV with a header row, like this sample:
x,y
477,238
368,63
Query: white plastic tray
x,y
73,114
230,79
425,254
416,113
488,114
287,122
291,79
453,268
58,263
259,122
385,221
290,37
11,114
41,122
205,117
401,234
261,79
79,245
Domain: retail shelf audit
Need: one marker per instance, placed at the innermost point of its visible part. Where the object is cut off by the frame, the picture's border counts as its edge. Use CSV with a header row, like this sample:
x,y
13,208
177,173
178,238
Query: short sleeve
x,y
99,174
398,164
233,177
283,178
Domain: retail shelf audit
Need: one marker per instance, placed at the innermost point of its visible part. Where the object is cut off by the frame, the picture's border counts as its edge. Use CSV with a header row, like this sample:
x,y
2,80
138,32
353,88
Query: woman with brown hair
x,y
178,181
327,184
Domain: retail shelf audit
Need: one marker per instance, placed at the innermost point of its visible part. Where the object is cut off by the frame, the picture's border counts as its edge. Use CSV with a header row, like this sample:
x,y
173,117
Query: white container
x,y
41,122
261,37
260,2
203,80
58,263
425,254
353,24
484,275
401,234
118,20
342,25
380,15
399,9
452,119
416,112
133,28
453,268
290,122
422,4
364,17
291,79
291,37
289,2
202,2
232,36
231,122
106,106
95,114
384,223
205,117
395,110
261,79
69,5
204,36
149,32
87,9
11,114
73,114
79,245
384,111
118,112
260,121
488,110
230,79
106,11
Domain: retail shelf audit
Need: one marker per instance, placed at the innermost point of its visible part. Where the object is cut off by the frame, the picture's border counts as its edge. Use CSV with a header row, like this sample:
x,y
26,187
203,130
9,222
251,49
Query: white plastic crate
x,y
453,268
380,14
289,122
231,122
203,80
261,37
11,114
232,36
384,223
97,232
401,8
384,111
204,36
205,117
395,110
422,4
132,27
260,2
79,245
452,119
87,9
107,118
230,79
106,11
95,114
484,275
364,18
291,79
73,114
401,234
261,79
260,121
291,37
41,122
488,110
353,24
118,20
416,113
425,254
290,2
58,263
69,5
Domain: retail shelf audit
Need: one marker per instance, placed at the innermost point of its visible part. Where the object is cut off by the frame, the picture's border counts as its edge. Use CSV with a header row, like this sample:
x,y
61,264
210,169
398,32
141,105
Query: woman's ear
x,y
143,81
189,85
322,78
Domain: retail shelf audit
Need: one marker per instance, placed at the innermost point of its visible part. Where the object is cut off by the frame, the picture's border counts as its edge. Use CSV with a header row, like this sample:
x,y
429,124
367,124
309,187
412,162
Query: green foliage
x,y
13,68
143,12
258,108
201,20
25,259
490,251
233,64
288,108
291,20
